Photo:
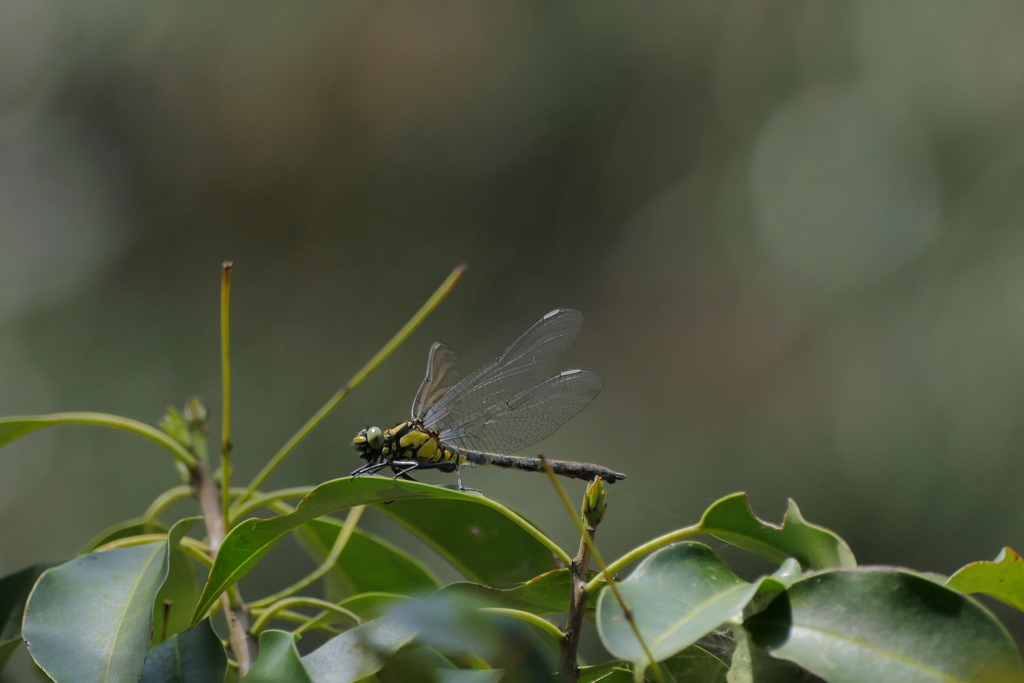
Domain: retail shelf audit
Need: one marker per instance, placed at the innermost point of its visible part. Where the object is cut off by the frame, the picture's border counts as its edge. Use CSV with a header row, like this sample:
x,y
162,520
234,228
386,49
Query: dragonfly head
x,y
369,443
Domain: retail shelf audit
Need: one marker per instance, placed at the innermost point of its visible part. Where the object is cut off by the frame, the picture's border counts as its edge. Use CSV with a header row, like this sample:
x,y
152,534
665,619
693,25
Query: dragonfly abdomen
x,y
566,468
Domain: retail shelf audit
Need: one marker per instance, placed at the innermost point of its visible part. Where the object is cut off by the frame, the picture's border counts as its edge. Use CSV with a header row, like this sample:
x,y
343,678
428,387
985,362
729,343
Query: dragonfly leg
x,y
401,468
458,476
369,469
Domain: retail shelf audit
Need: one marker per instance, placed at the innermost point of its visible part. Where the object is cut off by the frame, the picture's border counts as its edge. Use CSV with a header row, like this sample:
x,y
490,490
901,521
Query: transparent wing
x,y
525,419
442,374
521,366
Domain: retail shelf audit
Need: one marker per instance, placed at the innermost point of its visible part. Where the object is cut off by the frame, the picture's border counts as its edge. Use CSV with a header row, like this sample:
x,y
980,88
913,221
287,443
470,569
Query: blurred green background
x,y
794,229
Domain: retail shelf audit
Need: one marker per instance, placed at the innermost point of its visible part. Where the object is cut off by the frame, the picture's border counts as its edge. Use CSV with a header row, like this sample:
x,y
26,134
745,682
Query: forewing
x,y
442,375
522,365
525,419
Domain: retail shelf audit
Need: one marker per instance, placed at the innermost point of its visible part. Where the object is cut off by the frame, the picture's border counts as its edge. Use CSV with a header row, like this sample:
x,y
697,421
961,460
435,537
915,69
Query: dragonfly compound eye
x,y
375,438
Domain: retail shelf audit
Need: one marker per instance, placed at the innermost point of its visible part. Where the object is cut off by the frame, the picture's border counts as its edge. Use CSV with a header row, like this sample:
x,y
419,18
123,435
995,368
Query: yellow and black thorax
x,y
407,441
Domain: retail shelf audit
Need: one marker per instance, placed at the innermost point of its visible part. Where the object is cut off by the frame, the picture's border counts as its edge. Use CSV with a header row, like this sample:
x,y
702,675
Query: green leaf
x,y
469,676
677,595
732,520
459,627
195,656
885,625
172,609
751,664
1003,578
360,651
372,605
180,589
695,664
488,544
544,594
279,661
12,429
14,592
367,564
90,619
415,663
603,674
252,539
138,526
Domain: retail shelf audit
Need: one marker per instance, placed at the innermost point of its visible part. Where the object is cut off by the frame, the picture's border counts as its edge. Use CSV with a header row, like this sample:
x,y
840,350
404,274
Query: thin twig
x,y
344,534
569,646
235,611
436,298
225,362
609,579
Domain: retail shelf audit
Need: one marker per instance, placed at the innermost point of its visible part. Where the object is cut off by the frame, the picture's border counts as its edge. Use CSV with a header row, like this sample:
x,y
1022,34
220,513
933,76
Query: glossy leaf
x,y
172,609
732,520
12,429
415,663
195,656
602,674
488,544
14,592
367,606
91,618
252,539
677,595
358,652
750,664
132,527
885,625
180,589
695,664
469,676
544,594
1002,578
367,564
278,661
457,627
372,605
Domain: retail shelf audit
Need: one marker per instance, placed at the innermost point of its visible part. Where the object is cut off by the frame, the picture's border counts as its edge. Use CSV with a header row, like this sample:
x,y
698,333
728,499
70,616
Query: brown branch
x,y
567,668
207,492
594,505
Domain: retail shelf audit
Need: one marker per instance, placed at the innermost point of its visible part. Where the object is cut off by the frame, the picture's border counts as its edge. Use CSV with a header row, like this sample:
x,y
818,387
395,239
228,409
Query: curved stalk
x,y
332,558
180,453
414,322
639,552
275,610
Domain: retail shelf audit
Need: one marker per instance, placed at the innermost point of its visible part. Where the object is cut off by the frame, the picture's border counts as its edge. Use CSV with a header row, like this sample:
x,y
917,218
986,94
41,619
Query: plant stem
x,y
570,643
274,610
528,617
414,322
237,614
225,363
268,499
196,549
626,612
643,550
351,520
165,500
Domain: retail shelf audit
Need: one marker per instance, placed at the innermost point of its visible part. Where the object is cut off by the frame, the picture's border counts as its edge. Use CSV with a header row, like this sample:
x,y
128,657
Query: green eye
x,y
375,438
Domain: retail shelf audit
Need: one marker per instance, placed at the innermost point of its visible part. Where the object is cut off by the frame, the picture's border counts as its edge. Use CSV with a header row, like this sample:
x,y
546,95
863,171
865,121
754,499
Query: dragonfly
x,y
504,407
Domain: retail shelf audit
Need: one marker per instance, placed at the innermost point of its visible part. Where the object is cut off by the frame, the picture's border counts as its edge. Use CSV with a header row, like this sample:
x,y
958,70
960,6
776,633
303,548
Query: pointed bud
x,y
196,415
595,503
174,426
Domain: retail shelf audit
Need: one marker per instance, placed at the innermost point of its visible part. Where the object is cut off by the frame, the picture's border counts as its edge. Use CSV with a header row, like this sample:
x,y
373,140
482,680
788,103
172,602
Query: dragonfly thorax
x,y
405,441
